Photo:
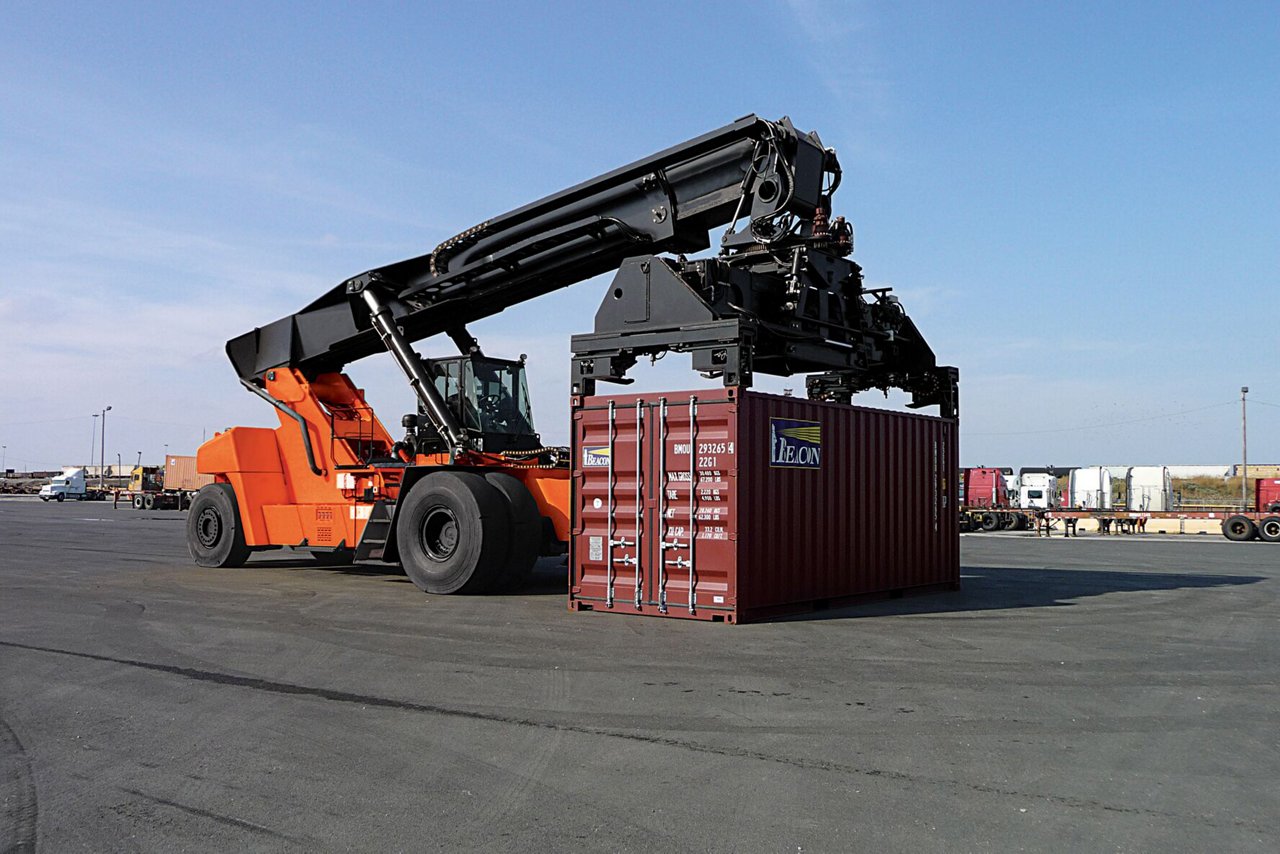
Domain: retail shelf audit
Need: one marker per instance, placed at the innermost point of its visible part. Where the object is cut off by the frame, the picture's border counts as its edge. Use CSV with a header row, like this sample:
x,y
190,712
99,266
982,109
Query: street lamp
x,y
4,452
1244,450
92,437
166,454
119,465
102,458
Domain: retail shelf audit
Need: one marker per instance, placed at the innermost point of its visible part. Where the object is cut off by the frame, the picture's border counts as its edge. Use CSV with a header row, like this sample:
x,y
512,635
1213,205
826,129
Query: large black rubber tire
x,y
148,502
1239,528
336,557
214,534
453,533
1009,522
62,496
990,522
1269,529
1274,508
525,533
137,502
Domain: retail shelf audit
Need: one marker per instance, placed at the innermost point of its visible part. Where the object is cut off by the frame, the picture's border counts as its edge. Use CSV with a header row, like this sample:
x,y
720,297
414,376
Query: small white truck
x,y
71,485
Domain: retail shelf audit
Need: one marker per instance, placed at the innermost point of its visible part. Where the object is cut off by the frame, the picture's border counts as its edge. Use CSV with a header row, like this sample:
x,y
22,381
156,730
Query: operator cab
x,y
490,399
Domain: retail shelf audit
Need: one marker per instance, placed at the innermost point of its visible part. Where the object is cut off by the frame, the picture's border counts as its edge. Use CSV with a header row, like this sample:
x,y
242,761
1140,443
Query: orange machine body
x,y
284,501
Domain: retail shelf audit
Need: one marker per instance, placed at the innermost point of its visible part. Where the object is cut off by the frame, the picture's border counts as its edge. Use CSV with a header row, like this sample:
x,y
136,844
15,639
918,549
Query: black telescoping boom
x,y
667,202
780,297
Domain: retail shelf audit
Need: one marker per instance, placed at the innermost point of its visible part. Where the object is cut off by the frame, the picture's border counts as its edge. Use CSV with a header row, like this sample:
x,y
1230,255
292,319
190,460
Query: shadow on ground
x,y
982,588
999,588
549,575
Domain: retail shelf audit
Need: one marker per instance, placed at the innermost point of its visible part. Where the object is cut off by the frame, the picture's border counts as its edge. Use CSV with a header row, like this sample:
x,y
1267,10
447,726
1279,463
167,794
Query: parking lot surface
x,y
1118,694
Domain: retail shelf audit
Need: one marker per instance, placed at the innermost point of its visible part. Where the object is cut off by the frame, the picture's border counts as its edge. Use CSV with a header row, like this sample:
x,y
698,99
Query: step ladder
x,y
373,542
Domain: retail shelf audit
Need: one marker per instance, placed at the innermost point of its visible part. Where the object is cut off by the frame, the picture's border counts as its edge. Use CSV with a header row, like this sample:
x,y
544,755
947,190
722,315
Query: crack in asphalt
x,y
370,700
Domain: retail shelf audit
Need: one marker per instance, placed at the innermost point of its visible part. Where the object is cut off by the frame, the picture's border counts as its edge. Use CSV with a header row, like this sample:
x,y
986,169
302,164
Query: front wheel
x,y
525,533
214,535
453,532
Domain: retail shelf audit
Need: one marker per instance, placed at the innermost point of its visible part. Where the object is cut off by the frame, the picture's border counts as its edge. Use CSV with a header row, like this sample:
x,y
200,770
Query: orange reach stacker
x,y
469,497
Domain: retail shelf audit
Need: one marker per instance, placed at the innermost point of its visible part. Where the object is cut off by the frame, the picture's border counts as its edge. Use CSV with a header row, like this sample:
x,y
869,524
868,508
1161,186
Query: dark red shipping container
x,y
792,504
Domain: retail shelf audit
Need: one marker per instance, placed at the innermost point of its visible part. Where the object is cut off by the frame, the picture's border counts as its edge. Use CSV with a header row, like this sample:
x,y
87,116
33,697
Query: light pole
x,y
139,457
92,437
1244,450
118,465
166,454
4,452
102,457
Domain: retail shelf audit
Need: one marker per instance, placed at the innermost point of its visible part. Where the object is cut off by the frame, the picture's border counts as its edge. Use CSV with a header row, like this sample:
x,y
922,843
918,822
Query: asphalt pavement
x,y
1094,694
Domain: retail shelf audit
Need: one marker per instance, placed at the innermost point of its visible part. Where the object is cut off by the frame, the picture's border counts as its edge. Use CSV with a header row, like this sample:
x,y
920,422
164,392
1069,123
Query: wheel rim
x,y
1271,529
208,527
440,533
1238,528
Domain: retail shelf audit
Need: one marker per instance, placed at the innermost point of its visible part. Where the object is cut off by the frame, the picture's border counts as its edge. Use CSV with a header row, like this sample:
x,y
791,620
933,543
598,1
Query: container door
x,y
694,548
610,534
655,493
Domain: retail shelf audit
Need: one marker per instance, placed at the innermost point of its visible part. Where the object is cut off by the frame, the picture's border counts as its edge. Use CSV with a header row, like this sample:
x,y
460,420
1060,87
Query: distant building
x,y
1259,470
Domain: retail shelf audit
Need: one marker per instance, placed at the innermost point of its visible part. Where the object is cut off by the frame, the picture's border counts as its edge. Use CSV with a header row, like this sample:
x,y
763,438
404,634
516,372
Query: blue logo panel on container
x,y
795,444
595,457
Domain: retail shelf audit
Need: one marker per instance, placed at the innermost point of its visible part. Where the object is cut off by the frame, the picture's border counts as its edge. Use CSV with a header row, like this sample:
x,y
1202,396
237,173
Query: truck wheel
x,y
1239,528
990,522
148,502
525,540
61,497
336,557
137,502
1274,508
1008,522
453,533
1269,529
214,534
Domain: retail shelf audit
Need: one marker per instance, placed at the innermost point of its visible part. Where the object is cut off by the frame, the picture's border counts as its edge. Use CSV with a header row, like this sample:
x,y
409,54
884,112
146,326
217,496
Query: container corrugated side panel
x,y
877,516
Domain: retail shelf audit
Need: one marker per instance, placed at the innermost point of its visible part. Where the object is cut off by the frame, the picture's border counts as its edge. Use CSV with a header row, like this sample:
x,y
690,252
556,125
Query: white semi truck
x,y
70,486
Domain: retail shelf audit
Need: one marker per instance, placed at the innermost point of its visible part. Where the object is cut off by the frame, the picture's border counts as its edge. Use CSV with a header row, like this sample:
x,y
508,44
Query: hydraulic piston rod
x,y
443,420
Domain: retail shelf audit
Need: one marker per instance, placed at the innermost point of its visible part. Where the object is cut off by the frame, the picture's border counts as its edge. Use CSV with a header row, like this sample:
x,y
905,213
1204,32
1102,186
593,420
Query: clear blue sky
x,y
1077,202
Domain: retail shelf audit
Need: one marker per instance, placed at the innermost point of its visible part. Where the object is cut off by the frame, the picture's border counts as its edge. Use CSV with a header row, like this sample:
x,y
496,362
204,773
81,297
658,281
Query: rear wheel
x,y
1008,522
453,532
149,502
1269,529
137,502
1239,528
214,534
525,533
990,522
